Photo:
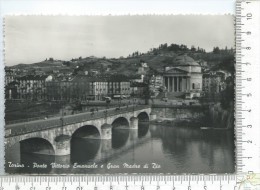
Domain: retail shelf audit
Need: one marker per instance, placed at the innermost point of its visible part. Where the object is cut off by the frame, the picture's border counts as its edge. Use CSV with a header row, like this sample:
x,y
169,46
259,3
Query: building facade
x,y
99,88
183,76
85,88
32,87
70,89
9,76
155,84
213,83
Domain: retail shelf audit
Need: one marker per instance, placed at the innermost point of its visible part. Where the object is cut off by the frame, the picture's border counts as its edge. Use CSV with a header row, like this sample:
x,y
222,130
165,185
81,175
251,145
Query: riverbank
x,y
195,123
220,117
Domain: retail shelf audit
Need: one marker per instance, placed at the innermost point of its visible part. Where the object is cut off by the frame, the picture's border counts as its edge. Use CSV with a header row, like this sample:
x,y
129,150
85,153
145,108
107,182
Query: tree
x,y
227,96
193,48
228,64
216,50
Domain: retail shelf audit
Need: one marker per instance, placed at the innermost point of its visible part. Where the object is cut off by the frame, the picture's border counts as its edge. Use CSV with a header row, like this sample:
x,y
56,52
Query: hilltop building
x,y
143,68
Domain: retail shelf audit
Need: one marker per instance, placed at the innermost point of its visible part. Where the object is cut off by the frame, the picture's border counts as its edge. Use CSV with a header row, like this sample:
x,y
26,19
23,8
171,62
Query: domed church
x,y
183,76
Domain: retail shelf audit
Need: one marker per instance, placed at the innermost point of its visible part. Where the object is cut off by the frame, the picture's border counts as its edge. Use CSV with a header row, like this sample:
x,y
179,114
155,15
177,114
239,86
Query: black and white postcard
x,y
147,94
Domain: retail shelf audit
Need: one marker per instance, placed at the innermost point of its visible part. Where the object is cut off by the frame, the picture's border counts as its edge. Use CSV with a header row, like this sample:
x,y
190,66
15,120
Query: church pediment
x,y
175,71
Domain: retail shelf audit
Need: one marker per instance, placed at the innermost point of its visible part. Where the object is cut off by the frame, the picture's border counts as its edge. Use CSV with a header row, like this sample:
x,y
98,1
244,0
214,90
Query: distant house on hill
x,y
138,78
143,68
203,64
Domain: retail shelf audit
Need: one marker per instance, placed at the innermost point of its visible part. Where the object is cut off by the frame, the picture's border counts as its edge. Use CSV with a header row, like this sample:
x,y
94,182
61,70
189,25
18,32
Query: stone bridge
x,y
56,133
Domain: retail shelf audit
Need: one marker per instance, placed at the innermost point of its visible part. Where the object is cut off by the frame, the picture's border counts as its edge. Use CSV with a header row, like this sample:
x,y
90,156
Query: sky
x,y
30,39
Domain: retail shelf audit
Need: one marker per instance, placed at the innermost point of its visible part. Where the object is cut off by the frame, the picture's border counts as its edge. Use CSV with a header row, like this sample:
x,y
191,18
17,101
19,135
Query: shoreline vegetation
x,y
185,122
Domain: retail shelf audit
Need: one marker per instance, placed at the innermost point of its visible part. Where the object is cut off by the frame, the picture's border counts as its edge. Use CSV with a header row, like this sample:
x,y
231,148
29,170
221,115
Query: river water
x,y
153,148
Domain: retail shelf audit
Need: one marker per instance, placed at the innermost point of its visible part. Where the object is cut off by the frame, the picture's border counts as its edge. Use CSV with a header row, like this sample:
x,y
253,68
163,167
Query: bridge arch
x,y
120,132
143,125
143,117
86,130
37,145
84,144
120,122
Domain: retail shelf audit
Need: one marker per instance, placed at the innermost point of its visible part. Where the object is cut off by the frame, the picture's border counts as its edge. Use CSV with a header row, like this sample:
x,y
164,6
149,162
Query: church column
x,y
185,84
181,89
172,84
174,78
188,84
165,82
170,78
180,84
168,88
177,84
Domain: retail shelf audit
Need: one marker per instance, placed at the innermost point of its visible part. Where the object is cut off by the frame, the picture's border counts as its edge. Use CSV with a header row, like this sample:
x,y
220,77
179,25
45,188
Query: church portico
x,y
177,84
183,76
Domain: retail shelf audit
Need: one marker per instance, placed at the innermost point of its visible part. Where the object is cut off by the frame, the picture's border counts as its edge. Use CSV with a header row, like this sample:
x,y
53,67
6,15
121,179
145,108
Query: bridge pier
x,y
106,145
134,122
62,145
152,116
133,135
106,131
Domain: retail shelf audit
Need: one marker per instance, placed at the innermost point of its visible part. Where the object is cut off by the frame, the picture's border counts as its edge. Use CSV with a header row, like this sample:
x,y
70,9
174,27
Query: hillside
x,y
156,58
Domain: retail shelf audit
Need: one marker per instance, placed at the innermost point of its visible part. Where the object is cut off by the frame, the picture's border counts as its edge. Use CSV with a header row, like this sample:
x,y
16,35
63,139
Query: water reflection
x,y
119,136
85,144
120,132
200,150
143,129
84,150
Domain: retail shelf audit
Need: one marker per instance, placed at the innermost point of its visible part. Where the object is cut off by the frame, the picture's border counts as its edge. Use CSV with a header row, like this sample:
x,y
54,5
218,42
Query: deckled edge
x,y
2,95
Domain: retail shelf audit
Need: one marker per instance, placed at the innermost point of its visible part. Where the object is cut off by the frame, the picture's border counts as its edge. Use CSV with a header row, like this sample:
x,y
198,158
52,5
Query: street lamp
x,y
62,113
107,106
134,105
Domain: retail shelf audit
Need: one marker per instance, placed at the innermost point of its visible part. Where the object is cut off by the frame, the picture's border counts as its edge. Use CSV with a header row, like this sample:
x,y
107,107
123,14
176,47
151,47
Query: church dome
x,y
184,60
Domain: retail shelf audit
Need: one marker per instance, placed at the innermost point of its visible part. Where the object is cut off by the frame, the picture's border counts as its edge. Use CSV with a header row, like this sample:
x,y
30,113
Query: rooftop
x,y
33,77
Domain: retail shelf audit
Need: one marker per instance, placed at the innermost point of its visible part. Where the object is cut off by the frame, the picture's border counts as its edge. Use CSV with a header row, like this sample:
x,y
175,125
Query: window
x,y
193,85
